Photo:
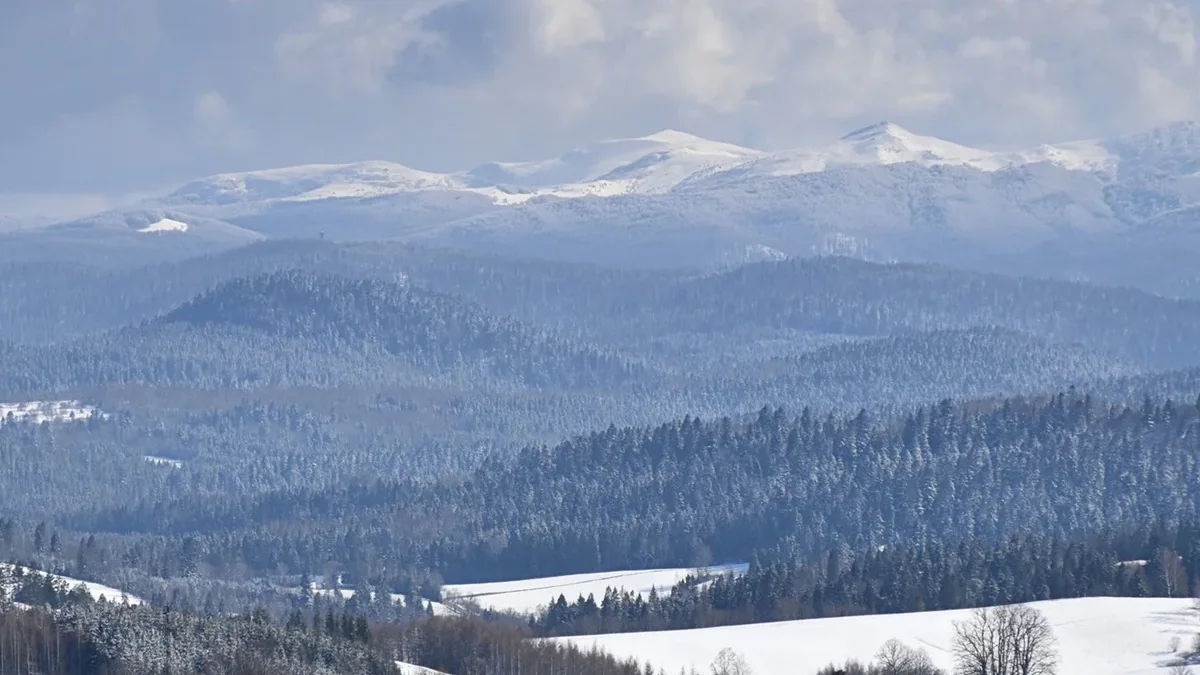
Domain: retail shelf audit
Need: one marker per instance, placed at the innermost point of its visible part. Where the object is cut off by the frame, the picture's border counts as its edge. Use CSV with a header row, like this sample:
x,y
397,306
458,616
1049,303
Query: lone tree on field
x,y
729,662
1011,640
897,658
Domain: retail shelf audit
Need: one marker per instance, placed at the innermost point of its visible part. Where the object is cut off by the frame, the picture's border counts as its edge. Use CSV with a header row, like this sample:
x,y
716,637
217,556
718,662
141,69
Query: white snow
x,y
647,165
527,595
164,461
46,411
650,164
410,669
1096,636
97,591
886,143
165,225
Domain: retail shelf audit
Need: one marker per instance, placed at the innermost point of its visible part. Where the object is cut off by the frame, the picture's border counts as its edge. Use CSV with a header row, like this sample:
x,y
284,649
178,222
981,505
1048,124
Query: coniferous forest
x,y
220,437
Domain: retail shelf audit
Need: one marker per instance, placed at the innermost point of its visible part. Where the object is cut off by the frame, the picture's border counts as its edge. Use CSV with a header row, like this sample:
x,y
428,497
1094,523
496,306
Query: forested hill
x,y
428,328
691,492
846,296
299,329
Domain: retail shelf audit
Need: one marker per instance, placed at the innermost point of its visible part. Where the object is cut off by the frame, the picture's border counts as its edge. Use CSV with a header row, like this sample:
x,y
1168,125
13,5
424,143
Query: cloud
x,y
109,95
216,124
349,49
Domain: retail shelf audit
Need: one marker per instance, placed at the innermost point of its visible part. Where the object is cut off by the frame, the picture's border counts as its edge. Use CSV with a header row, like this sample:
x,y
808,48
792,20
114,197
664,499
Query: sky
x,y
108,99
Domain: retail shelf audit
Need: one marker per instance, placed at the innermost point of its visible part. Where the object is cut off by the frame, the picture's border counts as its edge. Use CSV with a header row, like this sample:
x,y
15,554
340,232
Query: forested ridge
x,y
691,492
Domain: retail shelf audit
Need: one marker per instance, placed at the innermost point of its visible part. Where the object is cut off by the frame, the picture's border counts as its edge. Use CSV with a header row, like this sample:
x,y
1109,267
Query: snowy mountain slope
x,y
647,165
901,211
527,595
310,182
886,143
1096,636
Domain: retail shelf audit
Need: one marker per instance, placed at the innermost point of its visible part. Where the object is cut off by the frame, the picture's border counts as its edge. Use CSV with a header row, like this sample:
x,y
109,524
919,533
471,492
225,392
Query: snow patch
x,y
410,669
528,595
47,411
1095,636
165,225
164,461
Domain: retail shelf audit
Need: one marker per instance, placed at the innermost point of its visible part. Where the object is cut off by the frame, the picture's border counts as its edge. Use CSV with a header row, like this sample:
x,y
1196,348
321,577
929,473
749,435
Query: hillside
x,y
846,296
1096,636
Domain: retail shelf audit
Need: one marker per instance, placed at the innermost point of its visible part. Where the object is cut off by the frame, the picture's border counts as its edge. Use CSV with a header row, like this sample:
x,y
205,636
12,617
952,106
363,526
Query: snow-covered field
x,y
97,591
46,411
528,595
1096,636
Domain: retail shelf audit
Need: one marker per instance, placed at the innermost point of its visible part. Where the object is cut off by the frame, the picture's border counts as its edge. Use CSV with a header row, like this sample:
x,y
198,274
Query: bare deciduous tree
x,y
1011,640
729,662
897,658
1180,669
1171,571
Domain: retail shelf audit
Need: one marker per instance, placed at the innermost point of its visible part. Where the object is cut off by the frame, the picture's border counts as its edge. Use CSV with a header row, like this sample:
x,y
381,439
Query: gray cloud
x,y
113,95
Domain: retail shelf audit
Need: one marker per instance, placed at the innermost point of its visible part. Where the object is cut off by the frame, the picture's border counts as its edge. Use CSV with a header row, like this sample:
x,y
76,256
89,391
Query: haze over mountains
x,y
1071,210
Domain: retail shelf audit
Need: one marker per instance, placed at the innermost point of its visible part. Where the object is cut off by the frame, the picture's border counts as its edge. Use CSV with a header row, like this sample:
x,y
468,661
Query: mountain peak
x,y
878,130
673,136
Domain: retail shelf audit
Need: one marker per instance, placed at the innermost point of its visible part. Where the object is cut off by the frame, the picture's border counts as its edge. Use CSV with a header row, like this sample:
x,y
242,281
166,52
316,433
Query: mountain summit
x,y
646,164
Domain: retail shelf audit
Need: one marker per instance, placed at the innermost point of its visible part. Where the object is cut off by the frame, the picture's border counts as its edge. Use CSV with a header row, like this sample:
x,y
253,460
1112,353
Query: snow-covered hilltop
x,y
647,165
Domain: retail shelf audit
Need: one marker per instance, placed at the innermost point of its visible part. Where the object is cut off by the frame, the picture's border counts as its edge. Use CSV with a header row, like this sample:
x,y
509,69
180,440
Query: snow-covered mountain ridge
x,y
658,163
1123,210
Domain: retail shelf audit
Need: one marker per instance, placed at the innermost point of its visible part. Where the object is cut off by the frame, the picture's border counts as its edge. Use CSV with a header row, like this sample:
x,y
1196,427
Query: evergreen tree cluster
x,y
101,638
896,580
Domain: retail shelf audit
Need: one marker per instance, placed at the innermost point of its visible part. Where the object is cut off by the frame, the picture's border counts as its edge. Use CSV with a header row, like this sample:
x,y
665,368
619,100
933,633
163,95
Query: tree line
x,y
1162,561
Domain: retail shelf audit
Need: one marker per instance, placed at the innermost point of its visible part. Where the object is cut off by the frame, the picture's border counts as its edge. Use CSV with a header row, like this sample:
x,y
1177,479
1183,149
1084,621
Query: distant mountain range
x,y
1119,211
